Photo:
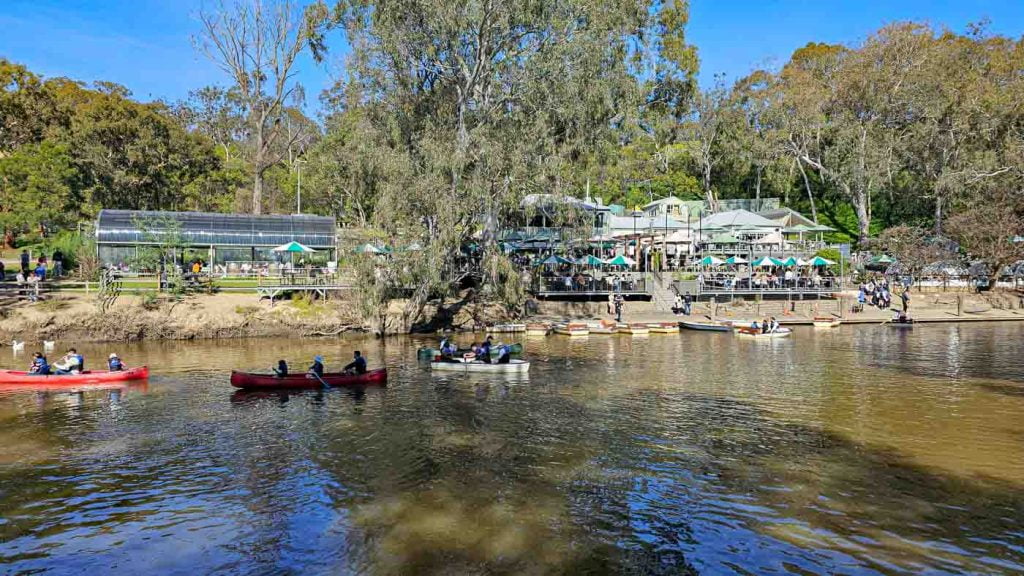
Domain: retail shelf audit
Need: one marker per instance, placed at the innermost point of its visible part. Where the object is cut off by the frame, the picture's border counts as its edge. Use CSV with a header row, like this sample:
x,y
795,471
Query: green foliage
x,y
39,186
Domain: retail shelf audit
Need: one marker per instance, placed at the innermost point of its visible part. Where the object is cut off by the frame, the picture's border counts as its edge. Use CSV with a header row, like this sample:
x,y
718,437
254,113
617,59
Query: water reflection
x,y
857,450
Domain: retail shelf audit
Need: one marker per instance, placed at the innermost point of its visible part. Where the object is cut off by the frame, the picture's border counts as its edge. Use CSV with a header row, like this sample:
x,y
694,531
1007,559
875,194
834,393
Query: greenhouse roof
x,y
211,229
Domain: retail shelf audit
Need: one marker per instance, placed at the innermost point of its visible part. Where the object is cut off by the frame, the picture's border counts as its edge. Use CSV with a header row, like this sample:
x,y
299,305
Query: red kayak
x,y
251,381
87,377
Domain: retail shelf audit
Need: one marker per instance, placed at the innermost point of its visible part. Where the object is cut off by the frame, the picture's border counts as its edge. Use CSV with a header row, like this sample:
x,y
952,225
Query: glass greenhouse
x,y
215,238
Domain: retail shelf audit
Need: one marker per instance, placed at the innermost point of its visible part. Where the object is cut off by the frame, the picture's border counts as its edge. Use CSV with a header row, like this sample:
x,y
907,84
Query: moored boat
x,y
572,329
602,327
664,328
250,381
826,322
634,329
507,328
13,377
537,329
512,367
907,324
756,333
706,326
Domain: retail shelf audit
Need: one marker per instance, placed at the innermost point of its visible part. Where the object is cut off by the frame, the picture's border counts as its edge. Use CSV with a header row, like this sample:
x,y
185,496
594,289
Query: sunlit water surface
x,y
860,450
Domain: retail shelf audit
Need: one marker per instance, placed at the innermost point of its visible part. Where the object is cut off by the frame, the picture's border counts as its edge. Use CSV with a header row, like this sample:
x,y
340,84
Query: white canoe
x,y
663,328
634,329
513,367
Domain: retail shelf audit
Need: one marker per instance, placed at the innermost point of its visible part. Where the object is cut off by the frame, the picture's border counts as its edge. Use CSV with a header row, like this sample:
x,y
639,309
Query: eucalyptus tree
x,y
484,102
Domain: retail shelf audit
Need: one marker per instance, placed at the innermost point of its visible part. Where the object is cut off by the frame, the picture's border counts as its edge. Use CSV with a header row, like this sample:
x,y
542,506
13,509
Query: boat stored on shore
x,y
602,327
14,377
706,326
664,328
512,367
537,329
507,328
252,381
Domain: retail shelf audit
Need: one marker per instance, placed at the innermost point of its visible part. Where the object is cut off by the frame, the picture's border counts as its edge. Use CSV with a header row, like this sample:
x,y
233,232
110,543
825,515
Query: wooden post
x,y
959,304
842,307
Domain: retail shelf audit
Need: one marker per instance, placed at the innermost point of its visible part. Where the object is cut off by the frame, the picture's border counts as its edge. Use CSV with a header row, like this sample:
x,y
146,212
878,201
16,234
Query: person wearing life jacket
x,y
485,351
318,366
504,354
114,363
357,365
71,363
39,367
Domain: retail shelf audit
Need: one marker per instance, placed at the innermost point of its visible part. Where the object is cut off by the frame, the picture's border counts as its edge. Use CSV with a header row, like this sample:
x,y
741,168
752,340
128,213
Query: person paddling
x,y
318,367
357,365
282,369
71,363
485,351
114,363
39,367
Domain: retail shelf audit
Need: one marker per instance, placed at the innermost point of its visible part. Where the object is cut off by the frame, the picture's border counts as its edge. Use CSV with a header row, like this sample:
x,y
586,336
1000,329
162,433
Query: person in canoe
x,y
114,363
504,354
485,351
773,325
39,367
318,366
71,363
282,369
448,348
357,365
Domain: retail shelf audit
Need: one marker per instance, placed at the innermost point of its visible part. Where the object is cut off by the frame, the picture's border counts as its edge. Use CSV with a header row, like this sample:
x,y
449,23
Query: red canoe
x,y
250,381
87,377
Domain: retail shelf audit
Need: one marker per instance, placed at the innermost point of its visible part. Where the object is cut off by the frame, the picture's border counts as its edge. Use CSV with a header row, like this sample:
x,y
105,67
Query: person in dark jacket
x,y
485,351
318,366
357,365
39,367
282,369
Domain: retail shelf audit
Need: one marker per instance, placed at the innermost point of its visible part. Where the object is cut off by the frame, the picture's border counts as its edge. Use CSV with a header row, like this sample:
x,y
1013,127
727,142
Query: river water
x,y
859,450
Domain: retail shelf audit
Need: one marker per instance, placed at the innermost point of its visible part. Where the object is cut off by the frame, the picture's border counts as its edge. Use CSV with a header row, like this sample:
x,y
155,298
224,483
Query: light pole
x,y
298,192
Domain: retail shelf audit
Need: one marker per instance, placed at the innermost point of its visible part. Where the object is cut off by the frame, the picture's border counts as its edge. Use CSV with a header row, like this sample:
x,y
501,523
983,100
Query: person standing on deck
x,y
618,307
58,264
687,303
905,299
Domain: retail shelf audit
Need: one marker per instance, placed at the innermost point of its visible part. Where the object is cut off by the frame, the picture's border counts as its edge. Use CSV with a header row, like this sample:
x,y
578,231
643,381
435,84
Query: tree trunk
x,y
810,193
757,187
860,206
257,194
938,214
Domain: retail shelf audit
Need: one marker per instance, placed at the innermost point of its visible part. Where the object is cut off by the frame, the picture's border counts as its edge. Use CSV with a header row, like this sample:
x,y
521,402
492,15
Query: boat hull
x,y
12,377
634,329
507,328
705,326
663,328
572,330
513,367
757,335
827,322
250,381
902,325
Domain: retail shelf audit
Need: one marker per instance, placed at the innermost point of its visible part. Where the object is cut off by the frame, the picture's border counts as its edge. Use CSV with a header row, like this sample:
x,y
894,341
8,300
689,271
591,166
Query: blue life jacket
x,y
115,364
40,366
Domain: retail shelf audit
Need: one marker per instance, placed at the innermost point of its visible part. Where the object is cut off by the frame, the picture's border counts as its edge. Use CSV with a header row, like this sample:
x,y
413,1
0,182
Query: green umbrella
x,y
590,260
293,247
711,261
766,262
733,260
789,261
819,261
883,259
556,260
621,260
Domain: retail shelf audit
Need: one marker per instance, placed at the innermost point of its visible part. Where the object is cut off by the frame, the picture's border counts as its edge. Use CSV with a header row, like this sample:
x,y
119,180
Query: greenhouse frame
x,y
214,238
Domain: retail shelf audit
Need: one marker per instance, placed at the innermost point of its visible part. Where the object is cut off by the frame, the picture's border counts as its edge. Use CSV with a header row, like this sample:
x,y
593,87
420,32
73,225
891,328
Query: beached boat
x,y
513,367
572,329
664,328
602,327
537,329
507,328
250,381
13,377
827,322
634,329
431,353
706,326
747,332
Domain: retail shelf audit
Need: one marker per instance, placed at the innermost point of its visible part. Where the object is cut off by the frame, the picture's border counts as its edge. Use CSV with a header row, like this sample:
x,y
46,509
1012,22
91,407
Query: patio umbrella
x,y
621,260
789,261
590,260
293,247
766,262
733,260
802,262
556,260
819,261
711,261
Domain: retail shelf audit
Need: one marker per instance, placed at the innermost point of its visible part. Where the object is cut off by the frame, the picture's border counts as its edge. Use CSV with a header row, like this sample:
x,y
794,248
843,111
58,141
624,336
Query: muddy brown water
x,y
858,450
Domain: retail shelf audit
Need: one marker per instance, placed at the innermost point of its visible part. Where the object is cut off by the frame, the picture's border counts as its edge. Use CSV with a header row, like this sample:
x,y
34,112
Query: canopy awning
x,y
766,262
621,260
293,247
711,261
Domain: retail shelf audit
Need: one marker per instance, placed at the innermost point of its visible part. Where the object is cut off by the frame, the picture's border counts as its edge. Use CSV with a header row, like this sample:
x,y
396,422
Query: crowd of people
x,y
876,292
71,363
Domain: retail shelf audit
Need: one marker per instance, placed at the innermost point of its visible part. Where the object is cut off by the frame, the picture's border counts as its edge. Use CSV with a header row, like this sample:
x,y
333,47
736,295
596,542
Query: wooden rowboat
x,y
602,327
537,329
572,329
634,329
827,322
507,328
706,326
513,367
664,328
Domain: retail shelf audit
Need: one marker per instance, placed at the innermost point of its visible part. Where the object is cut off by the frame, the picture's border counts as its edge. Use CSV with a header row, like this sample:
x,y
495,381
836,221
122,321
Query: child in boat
x,y
282,369
318,366
39,365
484,353
357,365
114,364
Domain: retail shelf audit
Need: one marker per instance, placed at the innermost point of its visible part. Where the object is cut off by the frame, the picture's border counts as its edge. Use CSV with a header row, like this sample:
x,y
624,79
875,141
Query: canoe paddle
x,y
319,379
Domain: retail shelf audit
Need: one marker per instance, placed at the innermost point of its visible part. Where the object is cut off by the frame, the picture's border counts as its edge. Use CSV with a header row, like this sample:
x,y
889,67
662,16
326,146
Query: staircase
x,y
662,295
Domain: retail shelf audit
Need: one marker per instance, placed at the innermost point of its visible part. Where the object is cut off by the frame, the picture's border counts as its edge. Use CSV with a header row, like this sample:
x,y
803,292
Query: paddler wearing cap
x,y
114,363
318,366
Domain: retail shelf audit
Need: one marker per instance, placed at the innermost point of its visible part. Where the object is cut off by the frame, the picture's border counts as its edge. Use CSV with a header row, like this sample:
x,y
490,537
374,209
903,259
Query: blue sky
x,y
146,44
